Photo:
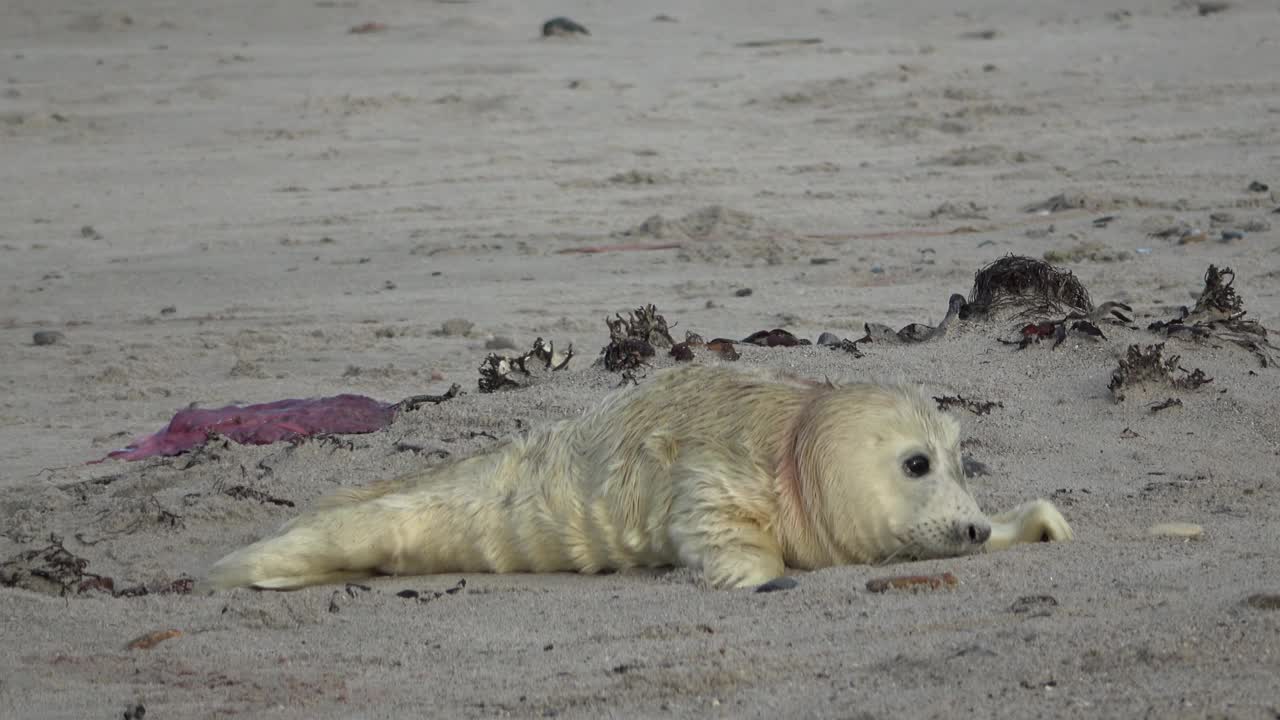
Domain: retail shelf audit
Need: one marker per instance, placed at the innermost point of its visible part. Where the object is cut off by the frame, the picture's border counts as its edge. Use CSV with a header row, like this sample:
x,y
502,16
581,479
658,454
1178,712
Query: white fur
x,y
738,473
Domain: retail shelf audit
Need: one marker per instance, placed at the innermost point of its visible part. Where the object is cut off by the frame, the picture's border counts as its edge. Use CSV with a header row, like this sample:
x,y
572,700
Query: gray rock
x,y
47,337
456,327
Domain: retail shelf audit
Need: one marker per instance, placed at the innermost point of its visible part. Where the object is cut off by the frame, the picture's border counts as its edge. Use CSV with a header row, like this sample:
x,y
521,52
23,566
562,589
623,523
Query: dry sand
x,y
242,201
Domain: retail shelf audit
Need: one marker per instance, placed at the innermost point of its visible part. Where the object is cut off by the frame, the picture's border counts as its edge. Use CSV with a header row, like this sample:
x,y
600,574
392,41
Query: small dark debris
x,y
182,586
1148,365
834,342
1057,203
776,337
916,332
821,260
462,583
414,402
1059,329
693,339
663,17
354,589
682,352
1103,221
47,337
1035,605
743,292
499,372
725,348
1209,7
777,584
408,594
626,354
137,712
632,340
52,570
780,42
975,651
99,583
1264,601
977,407
1165,404
333,602
628,376
1258,187
562,27
367,28
1231,235
243,492
974,468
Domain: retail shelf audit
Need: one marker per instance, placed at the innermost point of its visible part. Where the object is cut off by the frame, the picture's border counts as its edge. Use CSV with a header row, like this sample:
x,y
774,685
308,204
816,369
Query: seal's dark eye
x,y
916,466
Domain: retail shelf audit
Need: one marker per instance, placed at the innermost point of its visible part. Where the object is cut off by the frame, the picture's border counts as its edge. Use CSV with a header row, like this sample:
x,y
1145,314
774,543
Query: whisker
x,y
905,549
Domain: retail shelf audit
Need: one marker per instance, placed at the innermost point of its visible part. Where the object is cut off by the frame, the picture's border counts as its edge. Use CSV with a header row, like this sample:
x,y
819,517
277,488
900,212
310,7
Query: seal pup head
x,y
878,477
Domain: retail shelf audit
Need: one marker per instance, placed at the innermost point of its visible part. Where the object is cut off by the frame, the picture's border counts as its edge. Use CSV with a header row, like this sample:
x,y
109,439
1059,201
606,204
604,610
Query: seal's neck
x,y
806,542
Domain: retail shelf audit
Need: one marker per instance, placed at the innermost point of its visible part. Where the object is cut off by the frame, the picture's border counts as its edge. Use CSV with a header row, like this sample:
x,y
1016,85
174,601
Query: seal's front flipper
x,y
1036,521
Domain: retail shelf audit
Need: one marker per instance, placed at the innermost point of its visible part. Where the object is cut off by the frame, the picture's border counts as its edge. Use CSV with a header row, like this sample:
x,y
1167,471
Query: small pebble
x,y
1189,531
562,27
47,337
778,583
456,326
877,268
742,292
1229,235
974,468
168,310
821,261
1259,187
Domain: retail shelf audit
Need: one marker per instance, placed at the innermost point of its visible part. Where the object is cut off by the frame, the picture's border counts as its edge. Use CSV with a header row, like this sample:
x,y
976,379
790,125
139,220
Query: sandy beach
x,y
241,202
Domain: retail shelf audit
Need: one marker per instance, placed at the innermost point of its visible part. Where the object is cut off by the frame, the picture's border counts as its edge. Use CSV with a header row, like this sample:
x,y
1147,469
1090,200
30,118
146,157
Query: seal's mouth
x,y
910,549
907,550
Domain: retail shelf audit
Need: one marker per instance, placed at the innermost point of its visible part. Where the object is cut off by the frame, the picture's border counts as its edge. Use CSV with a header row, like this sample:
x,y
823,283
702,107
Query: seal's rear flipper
x,y
302,556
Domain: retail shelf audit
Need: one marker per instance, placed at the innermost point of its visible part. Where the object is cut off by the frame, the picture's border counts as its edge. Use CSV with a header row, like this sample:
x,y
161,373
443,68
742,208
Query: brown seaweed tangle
x,y
1025,287
1149,366
632,339
1219,314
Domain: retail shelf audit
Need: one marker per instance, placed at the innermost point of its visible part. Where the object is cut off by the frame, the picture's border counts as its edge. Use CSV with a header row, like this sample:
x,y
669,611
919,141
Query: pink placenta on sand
x,y
263,424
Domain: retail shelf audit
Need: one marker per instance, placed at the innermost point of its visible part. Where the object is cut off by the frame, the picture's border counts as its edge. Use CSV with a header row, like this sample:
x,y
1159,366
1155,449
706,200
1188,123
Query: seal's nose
x,y
973,533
